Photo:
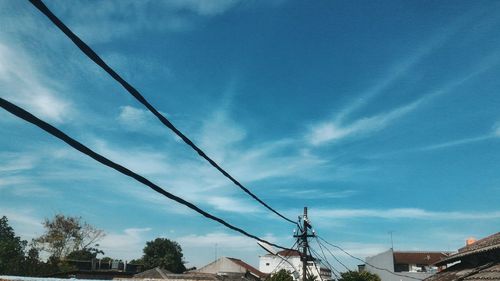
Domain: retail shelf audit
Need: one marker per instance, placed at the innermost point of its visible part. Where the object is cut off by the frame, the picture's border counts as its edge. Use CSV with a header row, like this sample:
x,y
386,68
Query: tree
x,y
359,276
11,249
136,261
281,275
84,254
164,253
64,235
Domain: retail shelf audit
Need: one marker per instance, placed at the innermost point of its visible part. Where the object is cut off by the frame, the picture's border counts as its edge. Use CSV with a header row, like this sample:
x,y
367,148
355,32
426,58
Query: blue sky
x,y
379,116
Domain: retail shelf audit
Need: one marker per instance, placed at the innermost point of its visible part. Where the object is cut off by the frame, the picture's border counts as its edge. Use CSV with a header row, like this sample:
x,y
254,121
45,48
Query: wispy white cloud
x,y
316,193
496,130
139,67
332,130
143,161
24,221
106,21
125,245
219,134
231,204
139,120
12,180
403,67
23,84
357,249
221,238
14,162
495,133
456,143
204,8
402,213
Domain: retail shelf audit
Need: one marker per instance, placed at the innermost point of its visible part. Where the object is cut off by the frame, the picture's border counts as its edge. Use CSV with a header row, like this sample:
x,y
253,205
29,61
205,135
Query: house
x,y
154,273
478,260
232,268
407,264
160,273
290,260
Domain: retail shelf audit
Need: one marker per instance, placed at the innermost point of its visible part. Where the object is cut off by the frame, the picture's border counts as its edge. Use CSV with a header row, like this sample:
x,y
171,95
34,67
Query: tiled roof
x,y
491,240
478,262
248,267
426,258
489,243
490,271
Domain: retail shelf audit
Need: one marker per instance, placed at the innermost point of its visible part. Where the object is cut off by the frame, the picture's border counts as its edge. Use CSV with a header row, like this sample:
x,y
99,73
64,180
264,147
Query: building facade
x,y
232,268
406,265
290,261
478,260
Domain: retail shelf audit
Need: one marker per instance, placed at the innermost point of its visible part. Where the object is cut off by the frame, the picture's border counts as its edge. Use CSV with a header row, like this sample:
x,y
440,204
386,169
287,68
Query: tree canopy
x,y
281,275
64,235
65,238
11,249
164,253
359,276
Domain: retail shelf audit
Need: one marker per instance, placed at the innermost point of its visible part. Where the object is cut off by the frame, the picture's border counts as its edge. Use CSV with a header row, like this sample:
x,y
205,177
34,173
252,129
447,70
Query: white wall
x,y
269,263
386,260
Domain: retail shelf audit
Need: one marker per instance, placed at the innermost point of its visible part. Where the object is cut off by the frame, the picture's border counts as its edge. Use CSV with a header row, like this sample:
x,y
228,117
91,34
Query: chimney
x,y
470,241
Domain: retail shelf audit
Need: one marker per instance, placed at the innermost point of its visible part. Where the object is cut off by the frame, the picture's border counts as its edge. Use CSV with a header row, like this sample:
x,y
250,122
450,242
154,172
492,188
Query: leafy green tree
x,y
64,235
164,253
359,276
84,254
11,249
281,275
32,265
136,261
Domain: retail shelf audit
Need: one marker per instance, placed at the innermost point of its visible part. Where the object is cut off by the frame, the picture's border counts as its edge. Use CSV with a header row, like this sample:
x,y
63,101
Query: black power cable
x,y
285,259
315,266
330,252
25,115
139,97
376,267
330,266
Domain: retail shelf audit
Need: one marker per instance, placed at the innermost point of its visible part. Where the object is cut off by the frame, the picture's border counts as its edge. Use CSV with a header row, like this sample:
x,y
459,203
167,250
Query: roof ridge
x,y
437,252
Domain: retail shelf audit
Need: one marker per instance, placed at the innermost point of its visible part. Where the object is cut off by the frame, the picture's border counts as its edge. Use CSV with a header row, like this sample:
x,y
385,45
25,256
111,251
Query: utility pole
x,y
302,238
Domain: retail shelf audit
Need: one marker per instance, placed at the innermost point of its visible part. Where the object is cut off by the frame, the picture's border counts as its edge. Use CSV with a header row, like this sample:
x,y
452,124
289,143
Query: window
x,y
401,267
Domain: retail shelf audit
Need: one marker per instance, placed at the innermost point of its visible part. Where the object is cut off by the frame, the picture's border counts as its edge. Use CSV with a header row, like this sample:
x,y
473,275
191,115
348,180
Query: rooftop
x,y
248,267
427,258
486,244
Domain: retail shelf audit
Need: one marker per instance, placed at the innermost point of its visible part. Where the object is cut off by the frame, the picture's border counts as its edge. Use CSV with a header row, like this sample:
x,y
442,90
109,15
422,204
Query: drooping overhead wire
x,y
90,53
316,266
361,260
284,258
330,252
27,116
330,266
